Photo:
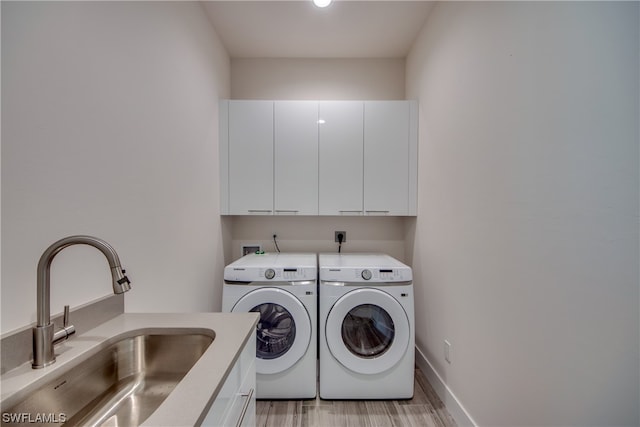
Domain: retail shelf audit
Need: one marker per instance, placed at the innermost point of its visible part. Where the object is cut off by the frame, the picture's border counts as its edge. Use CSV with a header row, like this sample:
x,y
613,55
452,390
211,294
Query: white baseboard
x,y
451,402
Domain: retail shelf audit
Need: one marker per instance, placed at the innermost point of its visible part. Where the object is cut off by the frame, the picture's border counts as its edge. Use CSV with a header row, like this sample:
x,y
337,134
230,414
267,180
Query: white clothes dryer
x,y
282,287
367,335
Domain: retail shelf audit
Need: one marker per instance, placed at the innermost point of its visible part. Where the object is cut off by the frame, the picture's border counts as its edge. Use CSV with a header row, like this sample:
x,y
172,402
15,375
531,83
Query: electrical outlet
x,y
447,351
344,236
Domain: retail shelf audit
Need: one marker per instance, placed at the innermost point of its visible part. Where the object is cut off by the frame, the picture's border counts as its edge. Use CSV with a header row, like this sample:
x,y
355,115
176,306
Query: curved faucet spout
x,y
43,336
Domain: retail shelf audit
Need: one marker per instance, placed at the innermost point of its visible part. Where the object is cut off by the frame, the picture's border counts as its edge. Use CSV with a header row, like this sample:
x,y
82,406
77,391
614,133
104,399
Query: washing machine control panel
x,y
288,274
270,274
273,267
389,275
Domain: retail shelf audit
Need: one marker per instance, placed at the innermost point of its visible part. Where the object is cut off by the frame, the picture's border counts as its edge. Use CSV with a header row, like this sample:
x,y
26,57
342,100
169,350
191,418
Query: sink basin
x,y
120,385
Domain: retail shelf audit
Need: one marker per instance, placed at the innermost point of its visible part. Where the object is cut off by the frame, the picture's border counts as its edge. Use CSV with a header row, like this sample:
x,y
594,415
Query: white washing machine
x,y
282,287
366,327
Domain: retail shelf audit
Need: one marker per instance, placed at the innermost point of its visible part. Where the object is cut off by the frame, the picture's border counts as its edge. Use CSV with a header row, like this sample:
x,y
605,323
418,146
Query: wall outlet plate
x,y
344,236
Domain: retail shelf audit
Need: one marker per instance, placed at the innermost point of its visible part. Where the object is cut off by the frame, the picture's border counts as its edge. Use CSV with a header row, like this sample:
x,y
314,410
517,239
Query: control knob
x,y
366,274
269,273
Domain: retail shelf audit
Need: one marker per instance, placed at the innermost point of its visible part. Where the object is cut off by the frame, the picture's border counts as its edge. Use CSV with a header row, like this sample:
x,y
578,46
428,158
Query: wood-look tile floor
x,y
425,409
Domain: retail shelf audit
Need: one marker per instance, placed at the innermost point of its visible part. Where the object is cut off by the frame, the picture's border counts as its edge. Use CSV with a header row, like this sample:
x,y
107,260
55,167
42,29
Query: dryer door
x,y
283,332
367,331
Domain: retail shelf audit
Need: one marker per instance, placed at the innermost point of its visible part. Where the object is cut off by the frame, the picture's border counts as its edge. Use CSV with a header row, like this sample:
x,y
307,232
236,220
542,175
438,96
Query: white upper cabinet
x,y
296,157
390,157
319,157
341,157
250,151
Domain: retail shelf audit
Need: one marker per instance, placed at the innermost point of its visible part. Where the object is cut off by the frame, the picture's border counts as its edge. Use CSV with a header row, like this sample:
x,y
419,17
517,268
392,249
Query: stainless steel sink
x,y
121,385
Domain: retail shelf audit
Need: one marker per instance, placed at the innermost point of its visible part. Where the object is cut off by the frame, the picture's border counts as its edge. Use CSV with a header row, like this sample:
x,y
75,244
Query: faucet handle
x,y
67,329
65,317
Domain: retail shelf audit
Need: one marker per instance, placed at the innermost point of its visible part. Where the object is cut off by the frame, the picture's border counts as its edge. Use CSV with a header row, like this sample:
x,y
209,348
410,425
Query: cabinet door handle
x,y
287,211
259,210
377,212
247,402
350,212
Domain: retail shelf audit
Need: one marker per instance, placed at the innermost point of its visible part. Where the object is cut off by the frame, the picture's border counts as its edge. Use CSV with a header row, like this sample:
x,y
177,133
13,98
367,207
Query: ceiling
x,y
298,29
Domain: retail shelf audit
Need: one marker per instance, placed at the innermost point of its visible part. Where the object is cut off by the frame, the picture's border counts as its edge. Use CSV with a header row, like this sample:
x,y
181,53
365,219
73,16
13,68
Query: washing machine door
x,y
283,332
367,331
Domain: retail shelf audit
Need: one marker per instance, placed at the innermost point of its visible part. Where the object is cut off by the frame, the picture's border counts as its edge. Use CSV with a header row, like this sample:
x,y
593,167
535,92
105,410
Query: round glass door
x,y
283,332
275,332
367,331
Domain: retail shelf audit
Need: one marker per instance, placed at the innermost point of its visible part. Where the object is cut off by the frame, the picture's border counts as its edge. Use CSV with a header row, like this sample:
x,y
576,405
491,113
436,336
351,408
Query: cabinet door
x,y
341,162
386,157
250,157
235,403
296,157
242,409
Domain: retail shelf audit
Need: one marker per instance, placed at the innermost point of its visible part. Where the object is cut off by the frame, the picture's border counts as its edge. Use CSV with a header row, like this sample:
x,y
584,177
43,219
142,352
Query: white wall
x,y
525,251
109,128
316,234
327,79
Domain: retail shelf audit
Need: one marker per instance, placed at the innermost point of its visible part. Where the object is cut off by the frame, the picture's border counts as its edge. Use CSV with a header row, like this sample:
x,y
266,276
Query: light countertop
x,y
192,397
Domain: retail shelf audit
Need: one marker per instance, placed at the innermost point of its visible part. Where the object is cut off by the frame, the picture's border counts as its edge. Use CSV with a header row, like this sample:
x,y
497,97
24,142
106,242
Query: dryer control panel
x,y
363,268
374,275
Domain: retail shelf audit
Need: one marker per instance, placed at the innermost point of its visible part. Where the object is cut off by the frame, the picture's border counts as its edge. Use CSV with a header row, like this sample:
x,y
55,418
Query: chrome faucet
x,y
44,337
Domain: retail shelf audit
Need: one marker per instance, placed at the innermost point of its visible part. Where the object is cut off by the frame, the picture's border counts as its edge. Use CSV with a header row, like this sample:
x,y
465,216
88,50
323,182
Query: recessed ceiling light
x,y
322,3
